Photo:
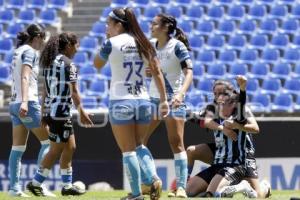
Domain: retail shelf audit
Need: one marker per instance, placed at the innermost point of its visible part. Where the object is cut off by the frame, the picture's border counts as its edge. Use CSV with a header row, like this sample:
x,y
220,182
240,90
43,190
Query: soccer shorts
x,y
179,112
60,129
251,168
33,118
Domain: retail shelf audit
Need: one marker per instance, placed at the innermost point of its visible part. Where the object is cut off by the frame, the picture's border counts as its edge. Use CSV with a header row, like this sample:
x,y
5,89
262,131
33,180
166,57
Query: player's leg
x,y
175,129
262,188
202,152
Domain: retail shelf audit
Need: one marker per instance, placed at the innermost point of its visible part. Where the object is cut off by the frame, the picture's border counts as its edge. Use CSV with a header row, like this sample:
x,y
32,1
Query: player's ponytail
x,y
182,37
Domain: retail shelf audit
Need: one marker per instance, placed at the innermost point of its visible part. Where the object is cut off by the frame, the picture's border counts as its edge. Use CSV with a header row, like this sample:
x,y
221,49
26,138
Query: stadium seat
x,y
48,17
215,42
161,3
271,86
198,71
257,12
89,102
291,55
175,11
289,26
119,3
27,16
227,56
237,42
248,56
196,42
252,86
184,3
1,2
292,86
197,101
267,2
4,75
296,41
98,88
98,29
268,26
206,57
104,102
140,3
6,16
151,12
205,86
81,58
186,26
194,13
287,2
204,3
237,69
282,103
216,71
280,41
259,70
296,71
295,11
89,44
106,71
8,58
82,85
247,27
104,14
236,12
226,27
281,70
215,13
204,27
224,3
145,26
15,4
6,45
270,55
278,12
297,104
37,4
57,4
87,72
260,103
258,41
13,29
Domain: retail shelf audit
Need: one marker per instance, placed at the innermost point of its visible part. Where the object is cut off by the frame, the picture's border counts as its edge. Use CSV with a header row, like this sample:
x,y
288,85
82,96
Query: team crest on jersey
x,y
66,134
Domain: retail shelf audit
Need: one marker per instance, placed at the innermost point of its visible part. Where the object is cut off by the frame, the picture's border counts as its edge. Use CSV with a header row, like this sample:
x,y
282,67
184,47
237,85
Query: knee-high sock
x,y
132,170
181,169
67,176
45,144
15,166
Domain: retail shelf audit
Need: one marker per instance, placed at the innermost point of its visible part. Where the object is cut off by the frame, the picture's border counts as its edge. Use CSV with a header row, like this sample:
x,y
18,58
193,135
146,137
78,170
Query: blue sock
x,y
43,150
132,170
15,166
147,165
40,176
66,176
181,169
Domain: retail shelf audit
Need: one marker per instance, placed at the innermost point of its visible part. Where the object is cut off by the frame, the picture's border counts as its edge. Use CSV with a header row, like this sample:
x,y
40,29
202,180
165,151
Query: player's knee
x,y
190,150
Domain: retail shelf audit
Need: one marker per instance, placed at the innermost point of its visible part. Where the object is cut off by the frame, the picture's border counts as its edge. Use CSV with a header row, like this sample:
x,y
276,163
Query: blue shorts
x,y
33,118
130,111
179,112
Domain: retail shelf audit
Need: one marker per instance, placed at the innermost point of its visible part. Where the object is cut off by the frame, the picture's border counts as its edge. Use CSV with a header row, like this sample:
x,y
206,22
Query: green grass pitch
x,y
115,195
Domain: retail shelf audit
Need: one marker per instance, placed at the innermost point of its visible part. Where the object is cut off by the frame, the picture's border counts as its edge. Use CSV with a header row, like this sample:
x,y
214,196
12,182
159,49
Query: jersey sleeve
x,y
183,55
71,73
28,57
105,50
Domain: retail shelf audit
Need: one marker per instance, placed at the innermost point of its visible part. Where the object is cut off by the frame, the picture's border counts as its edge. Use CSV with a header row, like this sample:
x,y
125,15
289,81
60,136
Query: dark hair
x,y
228,86
32,31
56,44
128,20
171,23
233,97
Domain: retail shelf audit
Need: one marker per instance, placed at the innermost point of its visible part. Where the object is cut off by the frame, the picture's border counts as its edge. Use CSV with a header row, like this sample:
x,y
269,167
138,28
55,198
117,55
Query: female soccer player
x,y
178,75
129,52
60,88
24,107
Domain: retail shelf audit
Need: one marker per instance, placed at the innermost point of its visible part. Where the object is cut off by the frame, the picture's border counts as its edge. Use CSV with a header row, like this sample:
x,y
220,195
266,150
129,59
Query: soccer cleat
x,y
172,193
130,197
74,191
35,190
156,190
47,193
180,193
146,189
19,193
228,191
248,191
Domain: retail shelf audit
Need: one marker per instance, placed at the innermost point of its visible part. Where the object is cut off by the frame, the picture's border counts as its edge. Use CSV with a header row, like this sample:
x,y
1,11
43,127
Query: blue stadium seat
x,y
215,42
8,58
106,71
297,104
140,3
289,26
194,13
296,71
206,57
87,72
81,58
216,71
58,4
104,102
13,29
246,2
259,70
296,11
260,103
145,26
236,12
267,2
258,41
268,26
186,26
196,42
98,88
204,3
27,16
82,85
119,3
237,42
6,16
292,86
278,11
175,11
282,103
271,86
204,27
104,14
287,2
237,69
4,75
184,3
257,12
227,56
252,86
204,86
270,55
248,56
89,102
215,13
226,27
198,71
89,44
98,29
137,11
151,12
1,2
291,55
15,4
224,3
48,17
280,41
281,70
197,101
247,26
37,4
6,45
296,41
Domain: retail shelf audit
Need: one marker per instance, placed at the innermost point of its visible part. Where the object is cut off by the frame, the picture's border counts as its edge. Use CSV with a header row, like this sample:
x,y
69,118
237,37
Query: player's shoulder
x,y
67,61
26,49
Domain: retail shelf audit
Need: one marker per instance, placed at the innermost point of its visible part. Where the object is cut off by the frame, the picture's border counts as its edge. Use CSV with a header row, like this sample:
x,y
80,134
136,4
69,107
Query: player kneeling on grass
x,y
60,88
233,148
